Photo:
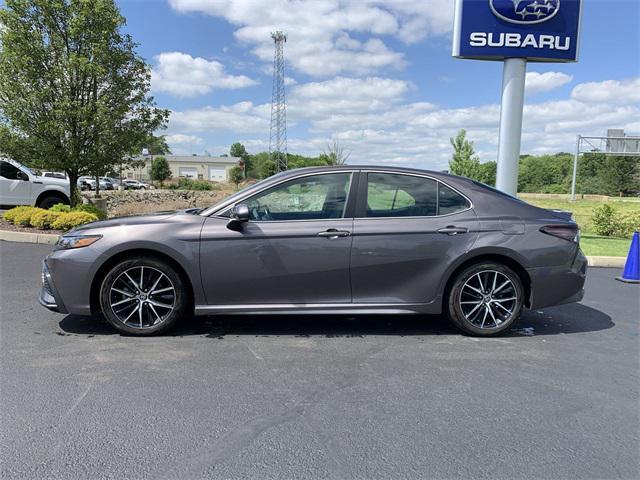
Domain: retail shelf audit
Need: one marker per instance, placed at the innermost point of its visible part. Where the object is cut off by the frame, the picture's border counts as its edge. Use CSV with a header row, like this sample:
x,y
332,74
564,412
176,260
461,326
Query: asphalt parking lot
x,y
319,397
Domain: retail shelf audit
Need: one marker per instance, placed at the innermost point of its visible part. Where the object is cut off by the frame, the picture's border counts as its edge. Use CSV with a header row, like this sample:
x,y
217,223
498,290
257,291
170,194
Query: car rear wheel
x,y
143,296
485,299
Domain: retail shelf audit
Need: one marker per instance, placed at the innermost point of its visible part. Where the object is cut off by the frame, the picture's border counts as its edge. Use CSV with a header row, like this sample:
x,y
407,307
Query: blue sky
x,y
376,76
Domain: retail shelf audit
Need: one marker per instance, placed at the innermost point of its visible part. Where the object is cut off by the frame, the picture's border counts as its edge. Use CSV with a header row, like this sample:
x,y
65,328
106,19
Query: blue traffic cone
x,y
631,273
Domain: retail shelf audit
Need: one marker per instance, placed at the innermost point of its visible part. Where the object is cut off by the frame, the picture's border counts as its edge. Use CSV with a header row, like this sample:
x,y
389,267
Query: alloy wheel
x,y
142,297
488,299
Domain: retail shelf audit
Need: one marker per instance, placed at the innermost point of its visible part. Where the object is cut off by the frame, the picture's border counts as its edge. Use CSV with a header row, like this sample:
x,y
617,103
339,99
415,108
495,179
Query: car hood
x,y
147,219
63,182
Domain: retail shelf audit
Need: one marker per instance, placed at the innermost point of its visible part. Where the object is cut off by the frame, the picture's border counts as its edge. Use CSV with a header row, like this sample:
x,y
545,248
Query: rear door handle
x,y
333,233
453,230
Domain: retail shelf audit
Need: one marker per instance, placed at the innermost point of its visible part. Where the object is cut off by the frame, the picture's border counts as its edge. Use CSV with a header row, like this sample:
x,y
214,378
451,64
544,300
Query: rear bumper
x,y
559,284
49,296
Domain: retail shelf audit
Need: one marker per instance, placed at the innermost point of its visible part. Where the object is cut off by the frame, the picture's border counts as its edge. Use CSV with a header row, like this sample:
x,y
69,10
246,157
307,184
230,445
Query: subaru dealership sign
x,y
538,30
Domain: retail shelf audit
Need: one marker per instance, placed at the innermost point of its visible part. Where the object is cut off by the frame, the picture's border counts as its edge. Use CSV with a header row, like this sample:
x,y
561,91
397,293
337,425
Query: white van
x,y
21,186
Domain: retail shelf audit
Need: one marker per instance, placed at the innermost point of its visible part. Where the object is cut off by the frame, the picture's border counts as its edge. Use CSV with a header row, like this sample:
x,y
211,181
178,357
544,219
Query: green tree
x,y
237,150
335,154
160,170
157,145
464,161
73,90
488,173
236,175
620,175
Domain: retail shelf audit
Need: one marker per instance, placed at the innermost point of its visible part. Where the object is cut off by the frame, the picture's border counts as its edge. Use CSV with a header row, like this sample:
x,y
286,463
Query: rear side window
x,y
393,195
450,201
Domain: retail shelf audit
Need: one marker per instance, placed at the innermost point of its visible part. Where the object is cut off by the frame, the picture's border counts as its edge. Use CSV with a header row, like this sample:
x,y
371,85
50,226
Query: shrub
x,y
10,215
44,219
609,222
189,184
60,207
70,220
605,220
91,208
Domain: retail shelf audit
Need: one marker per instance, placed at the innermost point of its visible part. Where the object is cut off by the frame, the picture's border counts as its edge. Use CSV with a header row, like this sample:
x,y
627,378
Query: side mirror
x,y
239,215
22,176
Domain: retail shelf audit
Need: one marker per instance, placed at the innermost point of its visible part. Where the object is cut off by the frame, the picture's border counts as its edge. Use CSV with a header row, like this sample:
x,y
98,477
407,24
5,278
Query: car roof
x,y
390,169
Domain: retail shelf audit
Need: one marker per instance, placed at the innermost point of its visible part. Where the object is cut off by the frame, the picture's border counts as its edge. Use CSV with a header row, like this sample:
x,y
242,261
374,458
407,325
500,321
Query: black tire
x,y
491,317
49,201
149,305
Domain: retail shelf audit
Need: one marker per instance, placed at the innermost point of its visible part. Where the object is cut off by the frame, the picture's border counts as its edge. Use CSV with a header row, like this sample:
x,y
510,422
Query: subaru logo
x,y
525,11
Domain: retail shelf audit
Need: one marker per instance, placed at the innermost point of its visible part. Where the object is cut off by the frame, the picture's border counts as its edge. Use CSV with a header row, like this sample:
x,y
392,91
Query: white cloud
x,y
185,76
543,82
371,117
623,92
179,138
319,41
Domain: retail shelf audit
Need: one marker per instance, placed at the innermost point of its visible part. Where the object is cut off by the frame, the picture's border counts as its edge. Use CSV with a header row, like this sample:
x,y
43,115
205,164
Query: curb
x,y
49,239
27,237
610,262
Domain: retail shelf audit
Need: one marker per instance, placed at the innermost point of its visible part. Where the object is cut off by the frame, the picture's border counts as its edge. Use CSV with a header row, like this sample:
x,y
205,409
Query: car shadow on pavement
x,y
565,319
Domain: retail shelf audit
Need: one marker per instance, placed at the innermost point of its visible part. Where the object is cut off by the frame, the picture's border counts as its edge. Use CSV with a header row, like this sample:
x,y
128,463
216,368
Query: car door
x,y
15,187
407,229
294,249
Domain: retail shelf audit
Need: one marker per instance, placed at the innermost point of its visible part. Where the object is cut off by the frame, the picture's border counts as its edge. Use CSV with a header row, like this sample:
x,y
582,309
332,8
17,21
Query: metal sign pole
x,y
510,124
575,168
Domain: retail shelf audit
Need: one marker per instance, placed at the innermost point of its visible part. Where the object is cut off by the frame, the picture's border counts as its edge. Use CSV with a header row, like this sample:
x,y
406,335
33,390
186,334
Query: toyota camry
x,y
347,240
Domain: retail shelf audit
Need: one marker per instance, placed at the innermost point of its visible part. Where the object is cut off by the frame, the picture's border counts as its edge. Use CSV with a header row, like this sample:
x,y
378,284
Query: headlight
x,y
76,241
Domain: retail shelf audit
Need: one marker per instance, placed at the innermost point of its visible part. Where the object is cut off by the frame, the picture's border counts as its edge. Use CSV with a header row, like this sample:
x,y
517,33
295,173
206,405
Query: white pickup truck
x,y
21,186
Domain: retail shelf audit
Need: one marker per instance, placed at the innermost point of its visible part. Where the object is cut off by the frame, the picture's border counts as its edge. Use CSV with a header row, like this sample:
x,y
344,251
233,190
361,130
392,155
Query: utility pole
x,y
278,131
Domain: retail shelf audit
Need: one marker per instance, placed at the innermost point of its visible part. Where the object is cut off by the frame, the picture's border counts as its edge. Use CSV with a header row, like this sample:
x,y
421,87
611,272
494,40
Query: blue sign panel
x,y
538,30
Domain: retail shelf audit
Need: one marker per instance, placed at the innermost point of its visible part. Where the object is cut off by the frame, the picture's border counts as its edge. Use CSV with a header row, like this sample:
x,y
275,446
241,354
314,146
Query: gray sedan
x,y
347,240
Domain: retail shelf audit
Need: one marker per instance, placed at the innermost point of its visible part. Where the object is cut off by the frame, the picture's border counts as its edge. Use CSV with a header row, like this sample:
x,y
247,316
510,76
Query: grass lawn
x,y
590,243
593,245
583,209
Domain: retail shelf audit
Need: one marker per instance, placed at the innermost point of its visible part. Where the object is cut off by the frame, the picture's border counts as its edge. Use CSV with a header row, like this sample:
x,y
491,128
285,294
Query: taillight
x,y
566,232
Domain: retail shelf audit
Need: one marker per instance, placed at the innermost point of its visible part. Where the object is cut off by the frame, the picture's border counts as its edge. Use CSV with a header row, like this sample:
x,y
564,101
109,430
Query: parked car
x,y
21,186
325,240
116,182
131,184
89,183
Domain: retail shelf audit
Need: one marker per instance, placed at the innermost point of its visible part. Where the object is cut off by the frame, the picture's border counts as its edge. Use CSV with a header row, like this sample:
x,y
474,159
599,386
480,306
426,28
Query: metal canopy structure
x,y
614,145
278,132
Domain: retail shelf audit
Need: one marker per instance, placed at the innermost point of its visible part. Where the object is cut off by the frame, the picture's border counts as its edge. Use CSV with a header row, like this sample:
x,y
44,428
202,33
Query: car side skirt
x,y
320,309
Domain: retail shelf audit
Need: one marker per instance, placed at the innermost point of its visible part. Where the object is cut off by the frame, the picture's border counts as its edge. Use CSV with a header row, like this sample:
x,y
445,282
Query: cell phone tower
x,y
278,133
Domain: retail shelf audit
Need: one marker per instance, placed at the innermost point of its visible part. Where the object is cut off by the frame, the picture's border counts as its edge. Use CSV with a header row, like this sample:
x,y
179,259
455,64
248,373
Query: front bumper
x,y
49,296
560,284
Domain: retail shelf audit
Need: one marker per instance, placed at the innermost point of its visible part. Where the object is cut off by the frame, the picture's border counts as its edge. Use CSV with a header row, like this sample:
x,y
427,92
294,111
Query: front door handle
x,y
453,230
333,233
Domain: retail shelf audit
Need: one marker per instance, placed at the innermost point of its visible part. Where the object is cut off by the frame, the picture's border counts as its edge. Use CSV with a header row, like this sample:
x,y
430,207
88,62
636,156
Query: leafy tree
x,y
236,175
157,145
160,170
620,175
73,90
487,173
464,162
237,150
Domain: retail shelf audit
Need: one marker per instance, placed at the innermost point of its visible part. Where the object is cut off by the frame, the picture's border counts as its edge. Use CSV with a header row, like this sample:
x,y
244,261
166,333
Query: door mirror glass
x,y
240,213
22,176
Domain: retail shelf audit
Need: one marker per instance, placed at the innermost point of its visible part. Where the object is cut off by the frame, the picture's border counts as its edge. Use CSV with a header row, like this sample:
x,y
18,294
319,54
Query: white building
x,y
199,167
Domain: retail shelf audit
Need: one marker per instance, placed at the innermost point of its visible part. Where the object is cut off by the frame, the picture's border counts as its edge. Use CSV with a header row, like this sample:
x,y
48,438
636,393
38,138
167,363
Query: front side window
x,y
10,172
308,198
393,195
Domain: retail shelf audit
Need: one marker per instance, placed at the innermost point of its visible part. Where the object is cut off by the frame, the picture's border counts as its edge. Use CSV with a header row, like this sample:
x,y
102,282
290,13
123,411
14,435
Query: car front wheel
x,y
485,299
143,296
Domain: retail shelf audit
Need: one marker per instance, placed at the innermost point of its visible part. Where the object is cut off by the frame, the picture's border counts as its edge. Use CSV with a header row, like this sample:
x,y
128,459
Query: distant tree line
x,y
597,174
